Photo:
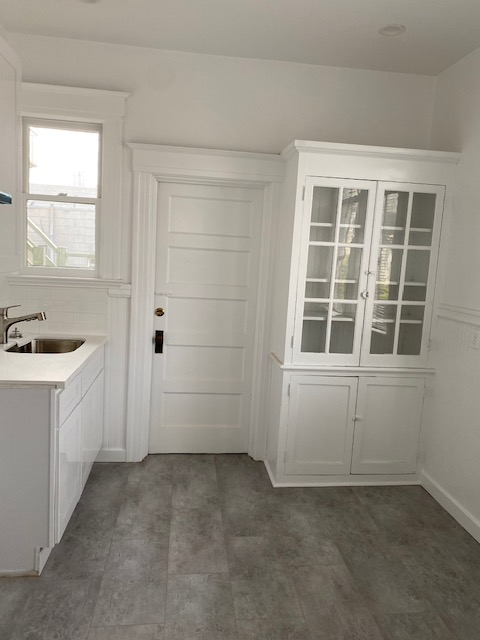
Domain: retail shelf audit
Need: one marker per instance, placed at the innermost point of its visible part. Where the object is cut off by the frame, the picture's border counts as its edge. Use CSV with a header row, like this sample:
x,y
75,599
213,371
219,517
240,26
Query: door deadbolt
x,y
159,311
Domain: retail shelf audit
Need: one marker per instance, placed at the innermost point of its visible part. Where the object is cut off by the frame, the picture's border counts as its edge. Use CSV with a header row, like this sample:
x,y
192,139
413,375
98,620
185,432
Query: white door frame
x,y
153,164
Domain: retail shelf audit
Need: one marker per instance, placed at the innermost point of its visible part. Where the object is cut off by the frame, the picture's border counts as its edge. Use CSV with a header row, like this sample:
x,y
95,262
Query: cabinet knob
x,y
364,294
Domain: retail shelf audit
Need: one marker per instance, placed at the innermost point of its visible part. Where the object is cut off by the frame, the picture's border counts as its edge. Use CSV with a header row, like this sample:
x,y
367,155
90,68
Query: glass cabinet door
x,y
331,294
401,273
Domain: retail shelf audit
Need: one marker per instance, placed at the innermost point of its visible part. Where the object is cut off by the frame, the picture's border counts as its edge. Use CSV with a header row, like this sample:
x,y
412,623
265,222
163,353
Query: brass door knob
x,y
159,312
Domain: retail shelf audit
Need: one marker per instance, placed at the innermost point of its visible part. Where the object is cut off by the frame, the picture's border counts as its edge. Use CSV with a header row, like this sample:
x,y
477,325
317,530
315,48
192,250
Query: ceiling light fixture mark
x,y
392,30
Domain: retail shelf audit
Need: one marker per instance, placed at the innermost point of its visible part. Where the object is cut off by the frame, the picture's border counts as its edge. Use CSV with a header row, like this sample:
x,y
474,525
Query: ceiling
x,y
341,33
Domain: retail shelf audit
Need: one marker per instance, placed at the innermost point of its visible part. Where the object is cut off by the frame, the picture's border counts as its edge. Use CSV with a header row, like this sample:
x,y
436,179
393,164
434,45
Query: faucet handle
x,y
4,310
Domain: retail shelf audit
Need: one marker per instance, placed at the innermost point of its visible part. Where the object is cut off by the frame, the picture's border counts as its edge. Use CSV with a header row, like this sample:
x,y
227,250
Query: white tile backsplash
x,y
68,310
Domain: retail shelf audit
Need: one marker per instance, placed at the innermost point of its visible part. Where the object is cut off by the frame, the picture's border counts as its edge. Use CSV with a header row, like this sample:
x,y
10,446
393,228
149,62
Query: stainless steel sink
x,y
47,345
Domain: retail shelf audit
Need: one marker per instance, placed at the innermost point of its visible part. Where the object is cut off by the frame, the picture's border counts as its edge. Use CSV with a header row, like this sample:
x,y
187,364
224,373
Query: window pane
x,y
324,205
63,162
61,234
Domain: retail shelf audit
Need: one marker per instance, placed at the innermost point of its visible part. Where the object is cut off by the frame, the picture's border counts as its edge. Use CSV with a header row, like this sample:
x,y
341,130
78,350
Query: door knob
x,y
159,312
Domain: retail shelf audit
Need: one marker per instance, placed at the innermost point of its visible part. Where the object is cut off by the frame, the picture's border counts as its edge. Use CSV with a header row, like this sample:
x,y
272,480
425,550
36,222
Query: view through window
x,y
62,193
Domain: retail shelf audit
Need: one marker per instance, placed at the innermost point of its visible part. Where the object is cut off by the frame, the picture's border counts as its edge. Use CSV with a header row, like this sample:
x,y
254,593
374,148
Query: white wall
x,y
217,102
453,410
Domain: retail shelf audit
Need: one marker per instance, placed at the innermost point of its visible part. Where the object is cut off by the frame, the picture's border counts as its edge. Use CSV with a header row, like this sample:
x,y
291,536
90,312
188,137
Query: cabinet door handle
x,y
357,418
365,294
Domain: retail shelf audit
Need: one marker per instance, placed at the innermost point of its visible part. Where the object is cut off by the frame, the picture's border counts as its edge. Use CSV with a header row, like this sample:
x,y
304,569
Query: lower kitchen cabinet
x,y
387,425
342,425
69,469
345,429
320,425
79,438
52,430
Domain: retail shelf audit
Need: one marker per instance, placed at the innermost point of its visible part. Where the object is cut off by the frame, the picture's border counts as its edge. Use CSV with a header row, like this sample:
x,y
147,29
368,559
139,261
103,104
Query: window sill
x,y
65,281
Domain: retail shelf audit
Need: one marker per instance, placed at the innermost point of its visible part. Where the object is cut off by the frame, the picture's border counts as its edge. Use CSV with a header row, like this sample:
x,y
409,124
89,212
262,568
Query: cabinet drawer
x,y
69,398
91,371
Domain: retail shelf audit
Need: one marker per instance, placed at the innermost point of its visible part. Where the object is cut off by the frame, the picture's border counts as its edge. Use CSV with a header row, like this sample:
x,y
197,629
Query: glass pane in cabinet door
x,y
319,265
394,218
409,339
352,217
322,233
389,268
383,328
324,205
421,224
314,327
342,331
411,327
416,272
395,208
347,272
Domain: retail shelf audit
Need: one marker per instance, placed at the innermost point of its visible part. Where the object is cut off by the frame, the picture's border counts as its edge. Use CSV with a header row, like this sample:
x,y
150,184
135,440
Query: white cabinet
x,y
80,431
69,469
320,425
346,425
92,426
387,425
368,253
49,439
357,261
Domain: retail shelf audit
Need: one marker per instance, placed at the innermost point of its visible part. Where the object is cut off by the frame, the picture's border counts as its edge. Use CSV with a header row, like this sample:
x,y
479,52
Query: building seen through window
x,y
62,185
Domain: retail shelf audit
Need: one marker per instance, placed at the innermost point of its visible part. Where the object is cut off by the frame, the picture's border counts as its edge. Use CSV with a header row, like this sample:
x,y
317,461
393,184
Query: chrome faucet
x,y
6,322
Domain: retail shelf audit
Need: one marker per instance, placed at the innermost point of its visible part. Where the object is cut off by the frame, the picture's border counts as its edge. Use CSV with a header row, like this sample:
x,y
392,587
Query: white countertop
x,y
49,369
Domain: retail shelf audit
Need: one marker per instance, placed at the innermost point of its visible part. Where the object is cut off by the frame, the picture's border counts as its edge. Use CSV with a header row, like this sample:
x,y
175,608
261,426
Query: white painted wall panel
x,y
452,440
233,103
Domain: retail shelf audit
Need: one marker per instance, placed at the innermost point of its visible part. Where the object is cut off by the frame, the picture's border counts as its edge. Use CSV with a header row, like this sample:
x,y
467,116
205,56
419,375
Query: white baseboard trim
x,y
111,455
42,557
269,471
450,504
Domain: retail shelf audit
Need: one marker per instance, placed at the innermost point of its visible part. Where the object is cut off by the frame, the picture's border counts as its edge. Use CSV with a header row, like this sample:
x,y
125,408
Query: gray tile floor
x,y
203,548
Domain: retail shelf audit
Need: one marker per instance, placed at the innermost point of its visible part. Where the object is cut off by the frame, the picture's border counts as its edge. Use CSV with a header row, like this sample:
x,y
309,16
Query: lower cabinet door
x,y
92,425
69,480
387,425
320,425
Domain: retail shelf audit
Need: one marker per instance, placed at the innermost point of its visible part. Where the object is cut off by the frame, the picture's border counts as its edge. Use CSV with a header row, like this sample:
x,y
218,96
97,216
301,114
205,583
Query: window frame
x,y
72,106
67,125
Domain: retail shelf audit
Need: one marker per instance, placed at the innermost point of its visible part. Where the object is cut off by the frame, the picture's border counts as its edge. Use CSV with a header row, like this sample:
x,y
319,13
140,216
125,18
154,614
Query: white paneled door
x,y
206,285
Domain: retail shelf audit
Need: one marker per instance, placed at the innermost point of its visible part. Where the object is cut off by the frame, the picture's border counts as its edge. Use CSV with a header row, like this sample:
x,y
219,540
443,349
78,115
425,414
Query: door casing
x,y
153,164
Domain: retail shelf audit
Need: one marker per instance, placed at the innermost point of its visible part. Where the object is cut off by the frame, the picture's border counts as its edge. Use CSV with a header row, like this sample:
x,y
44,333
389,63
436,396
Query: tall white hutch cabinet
x,y
357,264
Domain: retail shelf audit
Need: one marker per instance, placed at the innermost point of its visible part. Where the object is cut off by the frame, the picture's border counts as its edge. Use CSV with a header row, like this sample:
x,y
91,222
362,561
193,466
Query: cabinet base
x,y
281,480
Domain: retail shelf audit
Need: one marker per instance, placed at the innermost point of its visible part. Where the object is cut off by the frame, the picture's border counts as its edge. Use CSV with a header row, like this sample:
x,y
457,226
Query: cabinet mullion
x,y
401,280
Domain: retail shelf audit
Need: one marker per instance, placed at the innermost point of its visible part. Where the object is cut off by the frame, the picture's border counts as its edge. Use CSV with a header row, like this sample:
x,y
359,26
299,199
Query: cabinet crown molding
x,y
338,148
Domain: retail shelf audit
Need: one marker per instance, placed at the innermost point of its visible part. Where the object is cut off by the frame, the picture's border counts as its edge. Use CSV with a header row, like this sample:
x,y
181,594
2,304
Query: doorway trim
x,y
153,164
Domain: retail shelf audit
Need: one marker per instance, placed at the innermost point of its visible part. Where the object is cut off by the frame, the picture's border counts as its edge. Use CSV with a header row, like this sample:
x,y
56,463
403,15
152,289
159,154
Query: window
x,y
79,181
63,191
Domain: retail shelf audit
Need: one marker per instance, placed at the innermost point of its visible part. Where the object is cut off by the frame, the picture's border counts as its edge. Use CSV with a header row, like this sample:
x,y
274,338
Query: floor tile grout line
x,y
226,552
167,581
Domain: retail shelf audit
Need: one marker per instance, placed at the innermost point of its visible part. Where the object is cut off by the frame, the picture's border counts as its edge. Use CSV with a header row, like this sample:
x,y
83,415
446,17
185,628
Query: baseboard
x,y
111,455
450,504
346,480
270,472
42,557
